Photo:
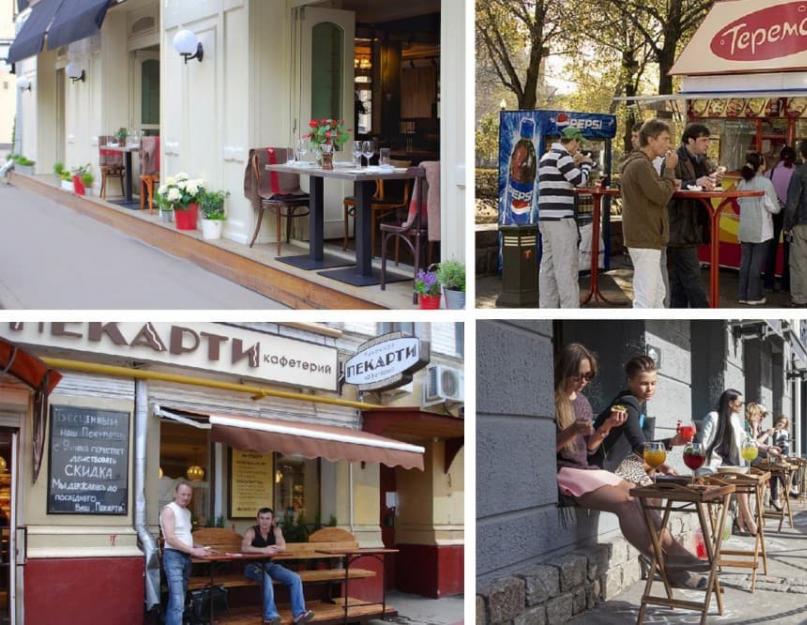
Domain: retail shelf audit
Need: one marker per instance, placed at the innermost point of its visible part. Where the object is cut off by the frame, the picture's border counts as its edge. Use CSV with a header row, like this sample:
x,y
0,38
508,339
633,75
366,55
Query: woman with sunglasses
x,y
722,434
592,487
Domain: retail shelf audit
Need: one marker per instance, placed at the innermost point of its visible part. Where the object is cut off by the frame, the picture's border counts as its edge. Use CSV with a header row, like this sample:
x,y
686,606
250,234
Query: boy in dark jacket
x,y
645,224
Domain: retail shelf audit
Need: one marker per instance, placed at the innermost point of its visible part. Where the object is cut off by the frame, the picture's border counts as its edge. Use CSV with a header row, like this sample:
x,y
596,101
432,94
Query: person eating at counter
x,y
267,538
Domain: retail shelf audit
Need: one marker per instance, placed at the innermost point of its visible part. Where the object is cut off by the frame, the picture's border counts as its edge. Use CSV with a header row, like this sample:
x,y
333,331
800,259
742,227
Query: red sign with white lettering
x,y
771,33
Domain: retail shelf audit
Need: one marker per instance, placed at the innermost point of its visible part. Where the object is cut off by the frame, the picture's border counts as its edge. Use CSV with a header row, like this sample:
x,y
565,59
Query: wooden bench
x,y
228,541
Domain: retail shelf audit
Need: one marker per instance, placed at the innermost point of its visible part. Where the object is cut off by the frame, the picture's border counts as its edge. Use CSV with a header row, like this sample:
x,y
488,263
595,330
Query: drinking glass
x,y
654,455
749,450
384,158
302,149
687,432
368,150
357,153
694,457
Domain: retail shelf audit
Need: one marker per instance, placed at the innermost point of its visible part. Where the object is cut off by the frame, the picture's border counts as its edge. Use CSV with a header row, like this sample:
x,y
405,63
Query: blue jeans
x,y
177,567
286,577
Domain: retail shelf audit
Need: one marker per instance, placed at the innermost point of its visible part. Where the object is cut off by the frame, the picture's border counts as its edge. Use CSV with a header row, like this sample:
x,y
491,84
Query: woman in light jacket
x,y
722,434
756,228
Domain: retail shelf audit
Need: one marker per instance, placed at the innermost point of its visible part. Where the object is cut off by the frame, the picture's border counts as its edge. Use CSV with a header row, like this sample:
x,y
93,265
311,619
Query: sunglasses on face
x,y
578,377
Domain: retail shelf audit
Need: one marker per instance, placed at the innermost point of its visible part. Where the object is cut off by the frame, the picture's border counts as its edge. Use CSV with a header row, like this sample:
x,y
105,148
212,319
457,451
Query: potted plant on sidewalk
x,y
65,178
327,136
82,179
23,165
451,274
181,195
427,286
213,213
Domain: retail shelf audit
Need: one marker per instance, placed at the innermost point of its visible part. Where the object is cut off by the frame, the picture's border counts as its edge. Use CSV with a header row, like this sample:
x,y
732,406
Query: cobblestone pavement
x,y
780,596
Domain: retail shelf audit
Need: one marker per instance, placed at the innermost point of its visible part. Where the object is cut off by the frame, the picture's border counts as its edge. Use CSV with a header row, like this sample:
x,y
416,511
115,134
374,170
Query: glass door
x,y
8,526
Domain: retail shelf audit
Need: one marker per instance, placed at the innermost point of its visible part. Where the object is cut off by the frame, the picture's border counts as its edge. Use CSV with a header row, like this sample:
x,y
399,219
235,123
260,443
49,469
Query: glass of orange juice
x,y
654,455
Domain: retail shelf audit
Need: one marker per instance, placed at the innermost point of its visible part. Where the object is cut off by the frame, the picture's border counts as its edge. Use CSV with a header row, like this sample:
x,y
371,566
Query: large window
x,y
185,455
296,488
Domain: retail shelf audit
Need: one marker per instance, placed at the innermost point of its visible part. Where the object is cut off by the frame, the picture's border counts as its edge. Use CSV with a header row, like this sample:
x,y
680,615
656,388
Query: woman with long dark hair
x,y
722,435
590,486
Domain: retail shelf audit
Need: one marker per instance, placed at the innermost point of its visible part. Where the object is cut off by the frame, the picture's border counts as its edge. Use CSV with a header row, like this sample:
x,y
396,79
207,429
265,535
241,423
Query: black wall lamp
x,y
75,72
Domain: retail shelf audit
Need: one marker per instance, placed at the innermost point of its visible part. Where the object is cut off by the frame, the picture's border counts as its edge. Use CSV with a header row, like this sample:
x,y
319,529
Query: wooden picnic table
x,y
682,496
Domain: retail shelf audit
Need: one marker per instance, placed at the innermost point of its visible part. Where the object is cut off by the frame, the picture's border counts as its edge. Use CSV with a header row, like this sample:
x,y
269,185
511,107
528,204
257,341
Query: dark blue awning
x,y
22,5
31,38
75,20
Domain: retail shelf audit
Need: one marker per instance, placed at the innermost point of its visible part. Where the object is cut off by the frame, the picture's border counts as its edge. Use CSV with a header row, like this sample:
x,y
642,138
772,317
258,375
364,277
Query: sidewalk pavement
x,y
417,610
617,286
780,596
52,257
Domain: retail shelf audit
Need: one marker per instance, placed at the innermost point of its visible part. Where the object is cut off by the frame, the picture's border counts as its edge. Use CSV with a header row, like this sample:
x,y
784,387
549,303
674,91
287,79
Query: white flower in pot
x,y
213,213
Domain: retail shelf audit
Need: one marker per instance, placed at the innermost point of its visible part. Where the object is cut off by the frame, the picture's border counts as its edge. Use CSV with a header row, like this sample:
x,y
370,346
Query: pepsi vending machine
x,y
524,136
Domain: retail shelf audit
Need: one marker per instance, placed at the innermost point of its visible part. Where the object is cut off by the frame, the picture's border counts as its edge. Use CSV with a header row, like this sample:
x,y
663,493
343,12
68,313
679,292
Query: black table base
x,y
305,261
351,276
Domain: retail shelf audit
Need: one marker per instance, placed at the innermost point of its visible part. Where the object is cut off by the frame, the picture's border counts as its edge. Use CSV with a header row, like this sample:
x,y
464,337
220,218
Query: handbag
x,y
197,612
631,469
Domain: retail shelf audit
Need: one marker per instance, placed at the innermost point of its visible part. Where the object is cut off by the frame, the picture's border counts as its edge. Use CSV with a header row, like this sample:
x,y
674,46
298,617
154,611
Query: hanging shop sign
x,y
748,36
207,346
386,362
88,471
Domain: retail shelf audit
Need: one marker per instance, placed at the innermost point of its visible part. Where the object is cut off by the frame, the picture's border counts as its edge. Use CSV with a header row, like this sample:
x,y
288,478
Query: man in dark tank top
x,y
267,538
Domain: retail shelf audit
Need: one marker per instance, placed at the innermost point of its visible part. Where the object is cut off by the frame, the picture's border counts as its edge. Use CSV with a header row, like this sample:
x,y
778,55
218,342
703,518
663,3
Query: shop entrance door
x,y
8,526
389,504
326,55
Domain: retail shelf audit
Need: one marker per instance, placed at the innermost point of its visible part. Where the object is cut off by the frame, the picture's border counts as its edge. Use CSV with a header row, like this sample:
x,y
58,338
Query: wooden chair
x,y
284,204
110,163
349,205
149,170
414,231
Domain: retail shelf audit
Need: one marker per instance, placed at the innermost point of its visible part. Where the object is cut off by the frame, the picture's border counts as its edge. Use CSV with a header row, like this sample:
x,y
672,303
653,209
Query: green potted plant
x,y
427,286
65,179
180,195
213,214
327,136
23,165
451,274
121,136
82,179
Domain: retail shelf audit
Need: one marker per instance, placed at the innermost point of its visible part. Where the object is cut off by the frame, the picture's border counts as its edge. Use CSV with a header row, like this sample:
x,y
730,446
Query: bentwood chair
x,y
149,170
110,163
287,201
414,232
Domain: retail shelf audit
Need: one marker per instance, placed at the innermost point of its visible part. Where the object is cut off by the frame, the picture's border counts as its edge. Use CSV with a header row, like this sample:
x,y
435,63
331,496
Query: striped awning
x,y
31,38
76,20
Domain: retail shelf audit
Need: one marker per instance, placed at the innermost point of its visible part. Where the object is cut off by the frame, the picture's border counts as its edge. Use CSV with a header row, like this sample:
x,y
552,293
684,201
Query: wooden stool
x,y
750,484
688,498
147,183
784,472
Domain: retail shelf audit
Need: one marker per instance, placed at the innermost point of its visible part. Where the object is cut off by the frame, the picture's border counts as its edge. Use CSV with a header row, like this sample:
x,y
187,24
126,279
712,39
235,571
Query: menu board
x,y
89,461
251,483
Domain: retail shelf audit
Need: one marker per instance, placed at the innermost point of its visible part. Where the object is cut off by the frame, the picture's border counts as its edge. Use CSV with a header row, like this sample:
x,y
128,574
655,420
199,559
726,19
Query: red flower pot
x,y
185,218
78,186
428,302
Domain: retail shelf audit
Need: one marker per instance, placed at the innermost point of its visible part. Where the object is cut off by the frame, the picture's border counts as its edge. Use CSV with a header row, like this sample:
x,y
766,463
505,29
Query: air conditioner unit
x,y
442,384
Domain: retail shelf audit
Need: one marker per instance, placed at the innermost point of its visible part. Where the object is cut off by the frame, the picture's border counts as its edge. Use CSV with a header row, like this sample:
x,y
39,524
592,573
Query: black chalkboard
x,y
89,461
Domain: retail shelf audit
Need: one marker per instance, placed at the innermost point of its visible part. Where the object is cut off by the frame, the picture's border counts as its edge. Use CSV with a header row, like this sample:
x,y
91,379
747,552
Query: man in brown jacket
x,y
645,223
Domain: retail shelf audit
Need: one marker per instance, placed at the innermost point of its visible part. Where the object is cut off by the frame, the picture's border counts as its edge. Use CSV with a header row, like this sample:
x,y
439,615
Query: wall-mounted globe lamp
x,y
188,45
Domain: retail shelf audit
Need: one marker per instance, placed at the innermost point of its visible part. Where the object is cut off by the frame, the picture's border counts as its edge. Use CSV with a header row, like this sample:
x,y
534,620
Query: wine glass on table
x,y
301,149
368,150
749,450
694,457
654,455
357,153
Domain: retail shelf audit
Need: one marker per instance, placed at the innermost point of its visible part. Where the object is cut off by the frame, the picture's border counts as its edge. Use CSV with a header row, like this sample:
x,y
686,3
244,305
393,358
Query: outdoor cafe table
x,y
597,192
127,152
240,556
364,182
688,498
351,555
752,483
726,198
782,470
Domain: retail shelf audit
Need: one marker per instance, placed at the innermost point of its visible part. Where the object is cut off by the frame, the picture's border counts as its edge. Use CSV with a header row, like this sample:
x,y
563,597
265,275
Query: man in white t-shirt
x,y
175,522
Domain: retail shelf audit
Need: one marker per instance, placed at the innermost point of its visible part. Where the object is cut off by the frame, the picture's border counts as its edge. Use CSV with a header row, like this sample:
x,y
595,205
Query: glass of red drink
x,y
694,457
687,432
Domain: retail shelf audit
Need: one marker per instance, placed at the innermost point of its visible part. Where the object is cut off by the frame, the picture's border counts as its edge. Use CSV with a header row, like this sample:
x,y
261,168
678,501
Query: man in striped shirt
x,y
561,169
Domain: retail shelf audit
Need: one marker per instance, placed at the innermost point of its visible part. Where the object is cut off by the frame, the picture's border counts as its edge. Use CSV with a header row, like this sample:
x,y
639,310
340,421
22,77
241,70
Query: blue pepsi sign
x,y
593,126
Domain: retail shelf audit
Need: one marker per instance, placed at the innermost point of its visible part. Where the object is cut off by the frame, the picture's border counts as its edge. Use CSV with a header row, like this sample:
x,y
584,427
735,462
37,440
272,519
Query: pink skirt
x,y
577,482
